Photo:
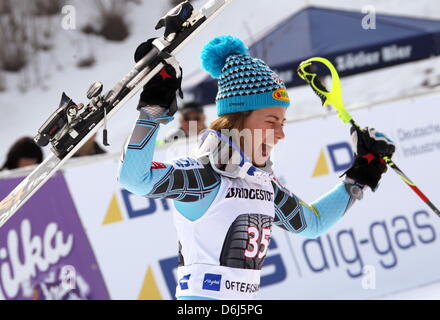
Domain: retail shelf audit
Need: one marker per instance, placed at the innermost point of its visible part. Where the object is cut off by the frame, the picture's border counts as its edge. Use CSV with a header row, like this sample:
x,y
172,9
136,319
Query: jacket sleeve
x,y
310,221
184,179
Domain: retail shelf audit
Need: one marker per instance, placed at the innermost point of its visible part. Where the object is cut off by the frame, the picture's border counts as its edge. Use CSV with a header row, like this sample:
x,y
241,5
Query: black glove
x,y
162,88
369,146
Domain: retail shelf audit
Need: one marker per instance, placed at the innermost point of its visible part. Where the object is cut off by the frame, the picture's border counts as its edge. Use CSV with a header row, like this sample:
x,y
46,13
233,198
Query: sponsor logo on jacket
x,y
253,194
157,165
183,282
242,286
212,282
187,164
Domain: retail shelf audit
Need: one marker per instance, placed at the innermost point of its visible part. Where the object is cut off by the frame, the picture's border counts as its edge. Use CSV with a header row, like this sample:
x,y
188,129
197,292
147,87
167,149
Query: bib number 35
x,y
254,247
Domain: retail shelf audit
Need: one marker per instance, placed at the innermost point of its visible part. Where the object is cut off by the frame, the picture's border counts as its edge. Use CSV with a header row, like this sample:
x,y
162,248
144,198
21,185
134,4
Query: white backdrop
x,y
386,243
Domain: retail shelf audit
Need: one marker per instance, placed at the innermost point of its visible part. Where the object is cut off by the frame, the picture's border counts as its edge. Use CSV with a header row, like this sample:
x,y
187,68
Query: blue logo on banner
x,y
212,281
184,282
336,162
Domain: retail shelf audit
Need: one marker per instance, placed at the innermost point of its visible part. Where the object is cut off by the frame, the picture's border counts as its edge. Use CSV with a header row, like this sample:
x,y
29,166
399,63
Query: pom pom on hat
x,y
215,53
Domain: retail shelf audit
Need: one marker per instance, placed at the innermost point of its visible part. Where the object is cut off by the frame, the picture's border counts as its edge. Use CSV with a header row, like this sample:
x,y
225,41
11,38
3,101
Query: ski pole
x,y
334,99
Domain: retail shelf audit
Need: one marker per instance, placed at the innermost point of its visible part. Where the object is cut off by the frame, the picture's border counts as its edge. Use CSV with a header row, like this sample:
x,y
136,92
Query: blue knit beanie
x,y
244,83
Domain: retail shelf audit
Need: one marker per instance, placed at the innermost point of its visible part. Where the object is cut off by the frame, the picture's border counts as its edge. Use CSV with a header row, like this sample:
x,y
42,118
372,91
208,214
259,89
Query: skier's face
x,y
266,127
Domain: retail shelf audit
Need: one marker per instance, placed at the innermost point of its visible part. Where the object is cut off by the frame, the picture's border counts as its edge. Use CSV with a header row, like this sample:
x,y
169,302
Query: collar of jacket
x,y
227,159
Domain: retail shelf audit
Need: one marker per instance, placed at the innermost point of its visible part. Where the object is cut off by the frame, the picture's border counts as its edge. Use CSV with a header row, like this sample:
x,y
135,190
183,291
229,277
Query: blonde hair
x,y
230,121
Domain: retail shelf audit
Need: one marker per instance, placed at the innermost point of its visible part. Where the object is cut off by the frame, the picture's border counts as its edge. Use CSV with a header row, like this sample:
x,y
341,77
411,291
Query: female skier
x,y
226,196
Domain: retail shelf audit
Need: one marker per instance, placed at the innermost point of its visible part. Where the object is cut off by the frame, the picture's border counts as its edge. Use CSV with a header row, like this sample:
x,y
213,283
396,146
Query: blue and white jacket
x,y
223,224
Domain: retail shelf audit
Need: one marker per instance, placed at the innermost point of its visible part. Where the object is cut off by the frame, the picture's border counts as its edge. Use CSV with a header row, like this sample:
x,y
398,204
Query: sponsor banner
x,y
44,251
389,240
133,237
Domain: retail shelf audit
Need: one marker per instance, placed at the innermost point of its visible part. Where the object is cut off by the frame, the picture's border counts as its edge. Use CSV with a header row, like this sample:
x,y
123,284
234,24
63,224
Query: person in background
x,y
192,122
24,152
90,148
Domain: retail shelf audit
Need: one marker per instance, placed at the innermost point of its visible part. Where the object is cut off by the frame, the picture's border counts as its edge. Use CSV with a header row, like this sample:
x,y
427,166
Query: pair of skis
x,y
72,125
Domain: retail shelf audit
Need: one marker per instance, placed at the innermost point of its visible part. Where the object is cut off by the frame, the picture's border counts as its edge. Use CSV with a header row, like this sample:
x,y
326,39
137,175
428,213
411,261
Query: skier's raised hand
x,y
158,98
369,147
